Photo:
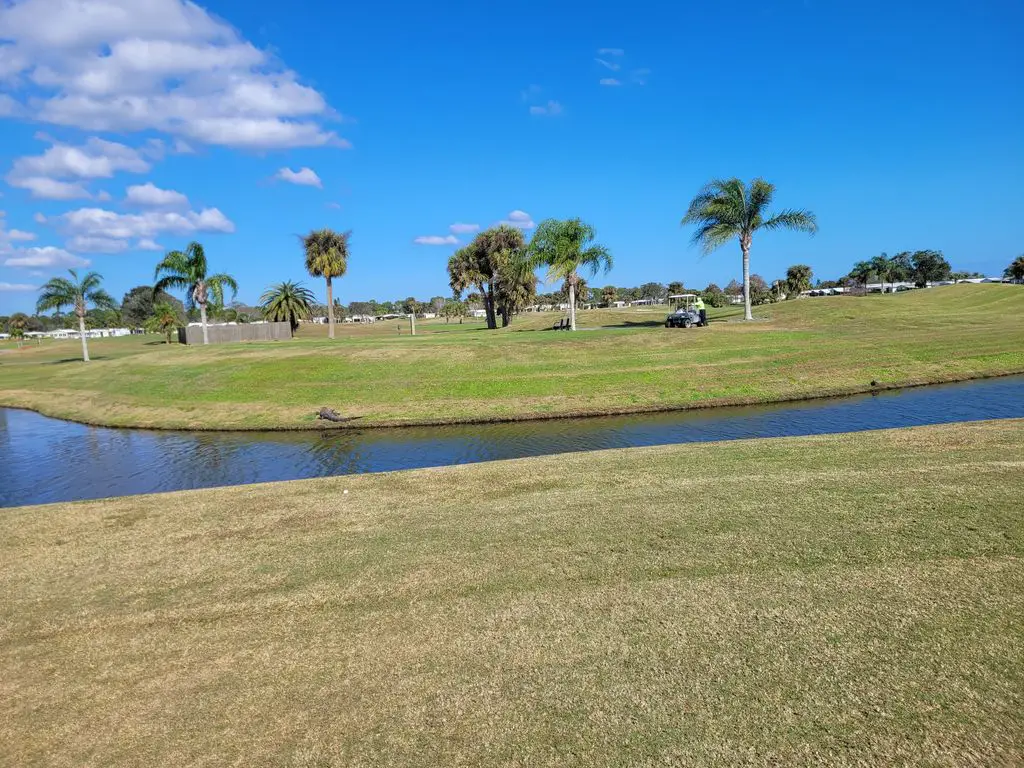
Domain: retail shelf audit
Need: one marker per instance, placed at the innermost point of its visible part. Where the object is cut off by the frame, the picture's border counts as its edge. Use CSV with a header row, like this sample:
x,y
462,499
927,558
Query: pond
x,y
46,460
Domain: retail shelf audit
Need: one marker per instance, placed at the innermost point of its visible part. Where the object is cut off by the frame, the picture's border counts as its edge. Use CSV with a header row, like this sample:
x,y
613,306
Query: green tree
x,y
929,267
491,263
675,288
861,273
798,279
410,306
608,294
566,247
187,270
163,319
1016,269
327,257
76,293
138,304
714,295
287,302
727,208
453,308
653,291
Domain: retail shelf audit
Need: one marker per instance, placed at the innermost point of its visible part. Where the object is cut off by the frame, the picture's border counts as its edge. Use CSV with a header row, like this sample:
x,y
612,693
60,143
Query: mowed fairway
x,y
627,362
849,599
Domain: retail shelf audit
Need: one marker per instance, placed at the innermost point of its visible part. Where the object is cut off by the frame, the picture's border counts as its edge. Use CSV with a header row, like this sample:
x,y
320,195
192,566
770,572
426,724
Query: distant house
x,y
478,313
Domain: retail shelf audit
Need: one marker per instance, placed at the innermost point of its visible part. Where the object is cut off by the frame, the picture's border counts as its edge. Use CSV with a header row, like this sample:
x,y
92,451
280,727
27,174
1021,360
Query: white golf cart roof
x,y
683,296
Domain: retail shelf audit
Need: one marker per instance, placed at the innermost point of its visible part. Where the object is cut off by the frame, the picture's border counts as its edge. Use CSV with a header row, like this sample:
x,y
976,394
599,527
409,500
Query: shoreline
x,y
357,423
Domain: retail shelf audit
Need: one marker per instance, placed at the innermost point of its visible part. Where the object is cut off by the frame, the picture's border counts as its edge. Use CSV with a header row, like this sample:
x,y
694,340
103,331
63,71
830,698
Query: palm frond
x,y
102,300
801,221
175,264
326,252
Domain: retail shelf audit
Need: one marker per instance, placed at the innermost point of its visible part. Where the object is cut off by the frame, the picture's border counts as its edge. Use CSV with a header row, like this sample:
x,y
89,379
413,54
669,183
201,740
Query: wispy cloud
x,y
150,195
459,228
551,109
334,206
17,234
436,240
640,76
614,66
610,52
609,81
47,256
16,287
531,93
305,177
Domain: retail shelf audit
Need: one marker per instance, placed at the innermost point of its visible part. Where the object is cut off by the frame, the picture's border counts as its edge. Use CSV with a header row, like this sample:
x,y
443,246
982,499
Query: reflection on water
x,y
43,460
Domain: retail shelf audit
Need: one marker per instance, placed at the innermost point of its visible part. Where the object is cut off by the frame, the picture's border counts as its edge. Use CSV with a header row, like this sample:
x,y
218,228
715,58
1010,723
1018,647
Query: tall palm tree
x,y
61,292
187,270
798,278
287,302
727,208
566,247
862,272
327,257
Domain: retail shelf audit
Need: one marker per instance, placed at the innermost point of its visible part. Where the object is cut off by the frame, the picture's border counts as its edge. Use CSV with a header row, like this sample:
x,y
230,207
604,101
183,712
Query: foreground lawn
x,y
626,362
799,601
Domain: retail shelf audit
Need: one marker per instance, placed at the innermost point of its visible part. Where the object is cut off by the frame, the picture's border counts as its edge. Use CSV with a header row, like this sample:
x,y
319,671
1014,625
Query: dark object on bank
x,y
874,383
562,325
329,414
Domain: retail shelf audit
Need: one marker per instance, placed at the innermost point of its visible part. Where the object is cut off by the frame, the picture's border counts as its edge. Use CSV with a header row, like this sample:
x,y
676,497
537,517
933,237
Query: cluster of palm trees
x,y
501,265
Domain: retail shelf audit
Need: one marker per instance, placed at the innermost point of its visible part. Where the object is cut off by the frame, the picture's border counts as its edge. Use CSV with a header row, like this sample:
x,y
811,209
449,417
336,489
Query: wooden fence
x,y
229,334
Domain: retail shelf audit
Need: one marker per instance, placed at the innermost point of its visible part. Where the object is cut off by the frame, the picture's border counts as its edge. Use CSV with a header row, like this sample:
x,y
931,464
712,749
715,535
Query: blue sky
x,y
897,123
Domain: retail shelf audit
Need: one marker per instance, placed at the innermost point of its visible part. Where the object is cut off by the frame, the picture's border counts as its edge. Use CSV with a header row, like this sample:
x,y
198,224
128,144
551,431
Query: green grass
x,y
627,362
846,599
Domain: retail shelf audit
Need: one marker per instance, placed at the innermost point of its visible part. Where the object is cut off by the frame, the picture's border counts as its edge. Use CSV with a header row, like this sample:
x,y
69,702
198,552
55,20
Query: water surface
x,y
44,460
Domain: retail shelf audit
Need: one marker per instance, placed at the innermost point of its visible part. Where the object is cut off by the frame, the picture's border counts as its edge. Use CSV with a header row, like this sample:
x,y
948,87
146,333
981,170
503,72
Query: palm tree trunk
x,y
747,314
202,319
492,321
572,304
330,309
85,343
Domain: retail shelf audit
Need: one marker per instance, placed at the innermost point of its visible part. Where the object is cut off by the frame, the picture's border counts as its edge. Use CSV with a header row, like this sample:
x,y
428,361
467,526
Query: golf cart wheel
x,y
686,322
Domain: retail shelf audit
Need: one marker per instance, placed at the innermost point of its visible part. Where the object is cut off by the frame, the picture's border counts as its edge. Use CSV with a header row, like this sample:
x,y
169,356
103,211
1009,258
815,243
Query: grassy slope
x,y
840,599
805,348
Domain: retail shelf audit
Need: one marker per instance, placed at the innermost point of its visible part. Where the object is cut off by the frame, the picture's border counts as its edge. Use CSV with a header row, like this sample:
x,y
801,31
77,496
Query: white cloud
x,y
531,93
519,219
16,287
640,76
51,189
462,229
614,66
96,159
305,177
85,244
334,206
59,172
551,109
151,195
47,256
610,52
146,244
166,65
17,234
8,106
436,240
610,81
38,218
100,226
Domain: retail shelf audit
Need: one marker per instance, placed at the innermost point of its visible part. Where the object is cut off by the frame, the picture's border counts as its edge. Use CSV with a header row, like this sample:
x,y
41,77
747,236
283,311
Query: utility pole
x,y
412,322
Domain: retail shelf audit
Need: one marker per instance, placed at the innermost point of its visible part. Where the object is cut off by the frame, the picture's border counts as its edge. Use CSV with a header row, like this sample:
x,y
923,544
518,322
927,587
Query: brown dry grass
x,y
849,599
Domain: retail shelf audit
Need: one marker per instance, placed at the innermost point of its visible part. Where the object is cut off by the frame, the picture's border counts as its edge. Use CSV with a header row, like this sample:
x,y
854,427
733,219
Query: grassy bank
x,y
627,362
801,601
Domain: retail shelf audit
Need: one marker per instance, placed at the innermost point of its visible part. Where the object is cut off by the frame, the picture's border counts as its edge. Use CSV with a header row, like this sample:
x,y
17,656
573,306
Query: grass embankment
x,y
807,348
800,601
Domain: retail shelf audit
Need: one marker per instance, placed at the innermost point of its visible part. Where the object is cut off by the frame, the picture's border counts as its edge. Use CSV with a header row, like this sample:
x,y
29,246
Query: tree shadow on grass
x,y
77,359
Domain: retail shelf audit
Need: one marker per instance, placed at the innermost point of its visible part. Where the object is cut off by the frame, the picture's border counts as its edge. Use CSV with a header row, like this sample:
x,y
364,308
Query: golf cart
x,y
686,314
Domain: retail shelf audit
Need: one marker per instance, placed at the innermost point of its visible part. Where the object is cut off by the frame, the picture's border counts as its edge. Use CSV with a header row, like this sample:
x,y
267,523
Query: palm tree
x,y
565,247
608,294
727,208
798,279
862,272
163,320
61,292
287,302
1016,269
327,257
187,270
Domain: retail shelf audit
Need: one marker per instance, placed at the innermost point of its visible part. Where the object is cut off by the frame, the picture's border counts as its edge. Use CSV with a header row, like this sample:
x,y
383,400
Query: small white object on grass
x,y
345,491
